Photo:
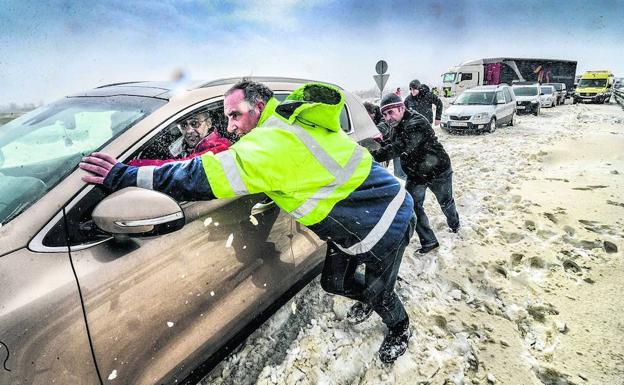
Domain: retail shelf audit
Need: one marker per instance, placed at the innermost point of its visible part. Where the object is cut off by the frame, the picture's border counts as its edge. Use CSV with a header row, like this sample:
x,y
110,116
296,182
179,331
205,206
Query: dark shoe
x,y
426,249
359,313
455,229
395,342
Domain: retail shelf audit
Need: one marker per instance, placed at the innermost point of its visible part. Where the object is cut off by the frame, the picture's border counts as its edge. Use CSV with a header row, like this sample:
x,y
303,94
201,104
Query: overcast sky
x,y
53,48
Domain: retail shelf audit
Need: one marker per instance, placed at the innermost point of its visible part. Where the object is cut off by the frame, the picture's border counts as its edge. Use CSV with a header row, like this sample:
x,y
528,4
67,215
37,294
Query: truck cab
x,y
594,87
462,77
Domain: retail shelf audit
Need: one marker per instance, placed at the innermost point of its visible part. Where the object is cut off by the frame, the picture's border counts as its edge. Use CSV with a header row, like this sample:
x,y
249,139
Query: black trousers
x,y
376,286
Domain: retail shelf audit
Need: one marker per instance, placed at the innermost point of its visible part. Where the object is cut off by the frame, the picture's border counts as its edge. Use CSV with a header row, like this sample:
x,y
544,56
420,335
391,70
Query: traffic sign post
x,y
382,77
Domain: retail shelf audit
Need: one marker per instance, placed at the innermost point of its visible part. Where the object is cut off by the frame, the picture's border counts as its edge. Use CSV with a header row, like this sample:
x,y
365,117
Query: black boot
x,y
395,343
359,313
426,249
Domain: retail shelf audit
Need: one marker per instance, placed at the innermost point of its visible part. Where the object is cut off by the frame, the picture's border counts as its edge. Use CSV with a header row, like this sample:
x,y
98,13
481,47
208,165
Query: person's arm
x,y
438,103
412,135
184,181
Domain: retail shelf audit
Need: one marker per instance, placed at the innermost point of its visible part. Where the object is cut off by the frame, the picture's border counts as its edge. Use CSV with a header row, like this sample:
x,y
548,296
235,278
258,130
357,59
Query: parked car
x,y
527,98
548,96
481,108
561,90
133,286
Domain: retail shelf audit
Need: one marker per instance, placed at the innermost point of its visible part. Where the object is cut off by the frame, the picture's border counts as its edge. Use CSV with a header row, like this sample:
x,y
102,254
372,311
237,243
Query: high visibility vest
x,y
304,166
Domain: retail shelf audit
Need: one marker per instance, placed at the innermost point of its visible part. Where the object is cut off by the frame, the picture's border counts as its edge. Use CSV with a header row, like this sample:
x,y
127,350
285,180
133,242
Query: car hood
x,y
469,109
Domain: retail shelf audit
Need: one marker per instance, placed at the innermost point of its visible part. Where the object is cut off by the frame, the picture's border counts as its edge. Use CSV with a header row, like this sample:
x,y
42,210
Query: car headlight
x,y
444,117
482,116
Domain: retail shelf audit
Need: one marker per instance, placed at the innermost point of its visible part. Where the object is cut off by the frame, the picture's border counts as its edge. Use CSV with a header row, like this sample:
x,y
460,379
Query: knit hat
x,y
414,84
390,101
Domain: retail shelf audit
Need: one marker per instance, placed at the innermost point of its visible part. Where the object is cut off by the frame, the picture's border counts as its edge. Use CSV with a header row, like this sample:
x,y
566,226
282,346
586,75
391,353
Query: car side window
x,y
171,143
507,95
500,98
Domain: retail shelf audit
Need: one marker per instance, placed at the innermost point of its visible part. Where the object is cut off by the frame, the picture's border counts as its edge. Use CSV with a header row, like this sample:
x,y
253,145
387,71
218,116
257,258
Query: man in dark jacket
x,y
421,99
425,162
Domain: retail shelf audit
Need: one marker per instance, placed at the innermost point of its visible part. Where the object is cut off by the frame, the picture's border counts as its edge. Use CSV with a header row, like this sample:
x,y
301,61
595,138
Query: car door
x,y
500,107
510,104
159,306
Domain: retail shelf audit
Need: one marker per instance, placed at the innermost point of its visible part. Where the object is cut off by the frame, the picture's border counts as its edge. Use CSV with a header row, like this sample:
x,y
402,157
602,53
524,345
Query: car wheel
x,y
512,122
536,112
606,101
554,104
492,125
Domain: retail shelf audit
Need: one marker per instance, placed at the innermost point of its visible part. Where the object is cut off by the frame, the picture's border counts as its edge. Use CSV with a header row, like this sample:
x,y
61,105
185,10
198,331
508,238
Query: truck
x,y
594,87
494,71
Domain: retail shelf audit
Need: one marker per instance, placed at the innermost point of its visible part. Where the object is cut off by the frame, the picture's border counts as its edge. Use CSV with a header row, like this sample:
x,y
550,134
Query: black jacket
x,y
422,157
422,103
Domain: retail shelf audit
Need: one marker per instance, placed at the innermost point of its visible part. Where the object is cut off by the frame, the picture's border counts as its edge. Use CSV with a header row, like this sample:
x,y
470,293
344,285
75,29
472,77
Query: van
x,y
481,108
594,87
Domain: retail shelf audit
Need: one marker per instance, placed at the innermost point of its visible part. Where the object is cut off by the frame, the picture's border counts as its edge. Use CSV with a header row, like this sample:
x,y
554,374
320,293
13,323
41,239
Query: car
x,y
561,92
481,108
548,96
527,98
133,286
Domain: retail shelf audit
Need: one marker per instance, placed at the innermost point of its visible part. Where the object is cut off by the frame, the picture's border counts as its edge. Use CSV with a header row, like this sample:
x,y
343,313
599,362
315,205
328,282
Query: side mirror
x,y
140,212
541,93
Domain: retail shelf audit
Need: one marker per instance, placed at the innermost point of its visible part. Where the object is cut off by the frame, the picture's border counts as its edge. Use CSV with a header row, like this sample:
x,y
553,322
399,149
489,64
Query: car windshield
x,y
476,97
448,77
525,91
592,83
556,85
547,90
38,149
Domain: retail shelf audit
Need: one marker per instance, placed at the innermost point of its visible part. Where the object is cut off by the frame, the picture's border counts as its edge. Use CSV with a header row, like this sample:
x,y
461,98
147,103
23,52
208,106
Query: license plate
x,y
460,124
520,107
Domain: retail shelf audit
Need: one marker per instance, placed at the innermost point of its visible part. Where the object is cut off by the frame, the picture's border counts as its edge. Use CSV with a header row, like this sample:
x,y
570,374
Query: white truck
x,y
494,71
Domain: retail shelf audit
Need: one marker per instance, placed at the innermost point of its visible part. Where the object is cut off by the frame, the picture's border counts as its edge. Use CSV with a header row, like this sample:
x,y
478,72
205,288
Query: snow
x,y
170,324
494,304
113,375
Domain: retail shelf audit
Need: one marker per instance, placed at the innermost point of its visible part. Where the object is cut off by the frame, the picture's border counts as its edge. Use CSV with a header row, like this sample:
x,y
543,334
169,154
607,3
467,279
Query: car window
x,y
507,94
172,143
500,98
39,149
466,76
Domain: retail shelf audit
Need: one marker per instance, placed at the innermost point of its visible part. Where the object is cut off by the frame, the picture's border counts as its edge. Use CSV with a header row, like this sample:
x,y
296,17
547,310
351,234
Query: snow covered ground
x,y
528,292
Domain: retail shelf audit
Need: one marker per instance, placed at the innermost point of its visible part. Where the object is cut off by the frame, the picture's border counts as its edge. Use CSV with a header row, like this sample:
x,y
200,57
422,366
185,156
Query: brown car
x,y
133,287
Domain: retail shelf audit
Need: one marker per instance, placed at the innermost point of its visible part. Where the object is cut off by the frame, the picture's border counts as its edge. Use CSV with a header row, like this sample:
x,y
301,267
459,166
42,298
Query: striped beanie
x,y
391,101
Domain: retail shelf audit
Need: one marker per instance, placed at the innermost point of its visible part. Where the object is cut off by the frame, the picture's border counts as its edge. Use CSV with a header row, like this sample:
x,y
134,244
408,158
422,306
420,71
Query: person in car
x,y
199,136
426,163
421,99
297,154
373,112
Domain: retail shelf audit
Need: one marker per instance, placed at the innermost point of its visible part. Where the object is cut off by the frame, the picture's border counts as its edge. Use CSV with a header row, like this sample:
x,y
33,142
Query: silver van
x,y
481,108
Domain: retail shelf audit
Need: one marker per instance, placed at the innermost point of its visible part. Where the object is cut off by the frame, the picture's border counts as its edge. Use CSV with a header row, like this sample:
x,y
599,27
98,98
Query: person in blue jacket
x,y
298,155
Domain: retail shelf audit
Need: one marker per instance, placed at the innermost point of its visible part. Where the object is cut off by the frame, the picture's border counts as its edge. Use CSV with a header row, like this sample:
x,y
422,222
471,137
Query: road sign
x,y
381,80
381,67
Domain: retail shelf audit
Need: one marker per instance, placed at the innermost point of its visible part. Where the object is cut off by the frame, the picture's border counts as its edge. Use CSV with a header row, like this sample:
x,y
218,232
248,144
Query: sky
x,y
53,48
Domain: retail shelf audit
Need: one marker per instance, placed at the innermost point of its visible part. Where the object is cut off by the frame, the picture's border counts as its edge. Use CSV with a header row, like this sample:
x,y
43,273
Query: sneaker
x,y
395,342
426,249
359,313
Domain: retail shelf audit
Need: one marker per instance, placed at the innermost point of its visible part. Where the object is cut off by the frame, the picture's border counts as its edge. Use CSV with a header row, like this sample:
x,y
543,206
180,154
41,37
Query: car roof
x,y
166,89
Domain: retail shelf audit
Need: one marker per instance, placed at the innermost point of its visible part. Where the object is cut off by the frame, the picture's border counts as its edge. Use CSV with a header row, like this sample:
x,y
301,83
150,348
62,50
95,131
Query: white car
x,y
528,98
481,109
548,96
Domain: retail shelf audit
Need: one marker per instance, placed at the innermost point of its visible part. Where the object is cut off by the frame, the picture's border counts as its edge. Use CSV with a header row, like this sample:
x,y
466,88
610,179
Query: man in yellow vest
x,y
298,155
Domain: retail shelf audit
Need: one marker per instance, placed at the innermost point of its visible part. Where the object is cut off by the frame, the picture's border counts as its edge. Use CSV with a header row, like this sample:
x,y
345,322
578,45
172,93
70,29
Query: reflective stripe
x,y
145,177
380,228
343,177
232,174
319,153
